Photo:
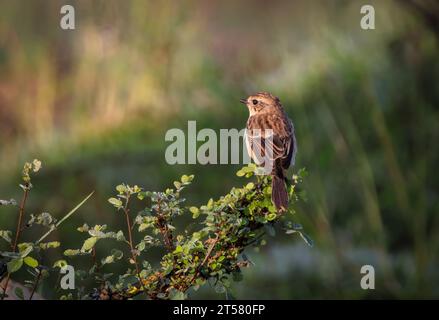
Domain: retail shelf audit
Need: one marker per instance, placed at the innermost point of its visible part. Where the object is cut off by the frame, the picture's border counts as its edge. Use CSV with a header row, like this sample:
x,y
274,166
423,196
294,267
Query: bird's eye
x,y
255,102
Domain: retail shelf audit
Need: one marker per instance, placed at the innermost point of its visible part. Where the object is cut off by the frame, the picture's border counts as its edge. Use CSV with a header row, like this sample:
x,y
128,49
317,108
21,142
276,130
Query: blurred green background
x,y
94,104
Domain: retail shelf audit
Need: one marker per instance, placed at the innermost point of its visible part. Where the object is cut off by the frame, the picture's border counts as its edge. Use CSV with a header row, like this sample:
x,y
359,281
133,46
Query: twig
x,y
35,284
259,237
65,218
20,218
164,230
93,258
208,253
17,233
126,210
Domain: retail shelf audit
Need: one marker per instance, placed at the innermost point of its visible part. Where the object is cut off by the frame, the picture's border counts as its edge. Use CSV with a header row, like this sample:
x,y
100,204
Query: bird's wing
x,y
271,138
290,149
264,145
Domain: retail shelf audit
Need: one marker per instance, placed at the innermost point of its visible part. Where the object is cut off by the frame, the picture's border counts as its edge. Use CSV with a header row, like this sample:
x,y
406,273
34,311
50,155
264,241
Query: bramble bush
x,y
214,254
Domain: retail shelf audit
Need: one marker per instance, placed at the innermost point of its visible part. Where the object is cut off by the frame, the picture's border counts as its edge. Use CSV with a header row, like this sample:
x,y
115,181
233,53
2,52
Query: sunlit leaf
x,y
14,265
72,252
115,202
195,212
6,235
31,262
89,244
60,264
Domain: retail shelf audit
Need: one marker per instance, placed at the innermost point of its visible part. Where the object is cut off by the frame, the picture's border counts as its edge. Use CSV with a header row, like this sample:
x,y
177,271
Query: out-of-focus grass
x,y
94,105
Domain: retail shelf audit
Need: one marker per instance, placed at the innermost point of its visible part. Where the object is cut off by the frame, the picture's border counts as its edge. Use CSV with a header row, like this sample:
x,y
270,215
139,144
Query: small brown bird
x,y
270,137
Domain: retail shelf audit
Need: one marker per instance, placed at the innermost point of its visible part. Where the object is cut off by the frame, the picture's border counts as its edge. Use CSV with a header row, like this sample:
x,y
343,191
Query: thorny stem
x,y
17,232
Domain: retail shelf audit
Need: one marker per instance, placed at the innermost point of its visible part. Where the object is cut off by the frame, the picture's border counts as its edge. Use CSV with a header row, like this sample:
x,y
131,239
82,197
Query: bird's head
x,y
262,102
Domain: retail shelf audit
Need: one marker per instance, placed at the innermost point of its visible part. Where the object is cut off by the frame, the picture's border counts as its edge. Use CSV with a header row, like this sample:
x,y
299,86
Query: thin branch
x,y
259,237
93,258
126,210
65,218
34,288
164,229
20,218
17,233
208,253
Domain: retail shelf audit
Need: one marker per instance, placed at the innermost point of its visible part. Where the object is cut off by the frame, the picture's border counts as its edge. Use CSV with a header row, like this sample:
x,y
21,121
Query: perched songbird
x,y
270,137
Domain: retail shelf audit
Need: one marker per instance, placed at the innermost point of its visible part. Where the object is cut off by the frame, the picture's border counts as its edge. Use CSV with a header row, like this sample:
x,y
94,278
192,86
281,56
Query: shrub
x,y
214,254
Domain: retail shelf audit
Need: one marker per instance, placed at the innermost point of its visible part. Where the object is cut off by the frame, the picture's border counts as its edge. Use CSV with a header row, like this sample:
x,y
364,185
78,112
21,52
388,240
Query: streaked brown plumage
x,y
269,129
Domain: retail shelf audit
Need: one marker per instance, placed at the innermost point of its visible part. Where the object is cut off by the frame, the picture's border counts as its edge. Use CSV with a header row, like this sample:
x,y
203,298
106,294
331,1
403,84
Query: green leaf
x,y
121,189
6,235
178,249
36,165
307,239
11,202
303,173
187,179
71,252
141,246
15,265
120,236
115,202
196,235
115,255
89,244
271,216
31,262
60,264
19,293
240,173
50,245
195,212
143,226
9,254
141,195
25,249
84,228
107,260
177,184
250,186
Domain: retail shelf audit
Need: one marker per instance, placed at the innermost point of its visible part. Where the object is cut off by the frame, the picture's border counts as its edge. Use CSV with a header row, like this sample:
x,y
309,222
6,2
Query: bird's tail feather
x,y
279,194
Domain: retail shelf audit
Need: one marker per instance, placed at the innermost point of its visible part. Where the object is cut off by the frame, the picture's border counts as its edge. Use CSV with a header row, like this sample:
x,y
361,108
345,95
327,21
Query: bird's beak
x,y
244,101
